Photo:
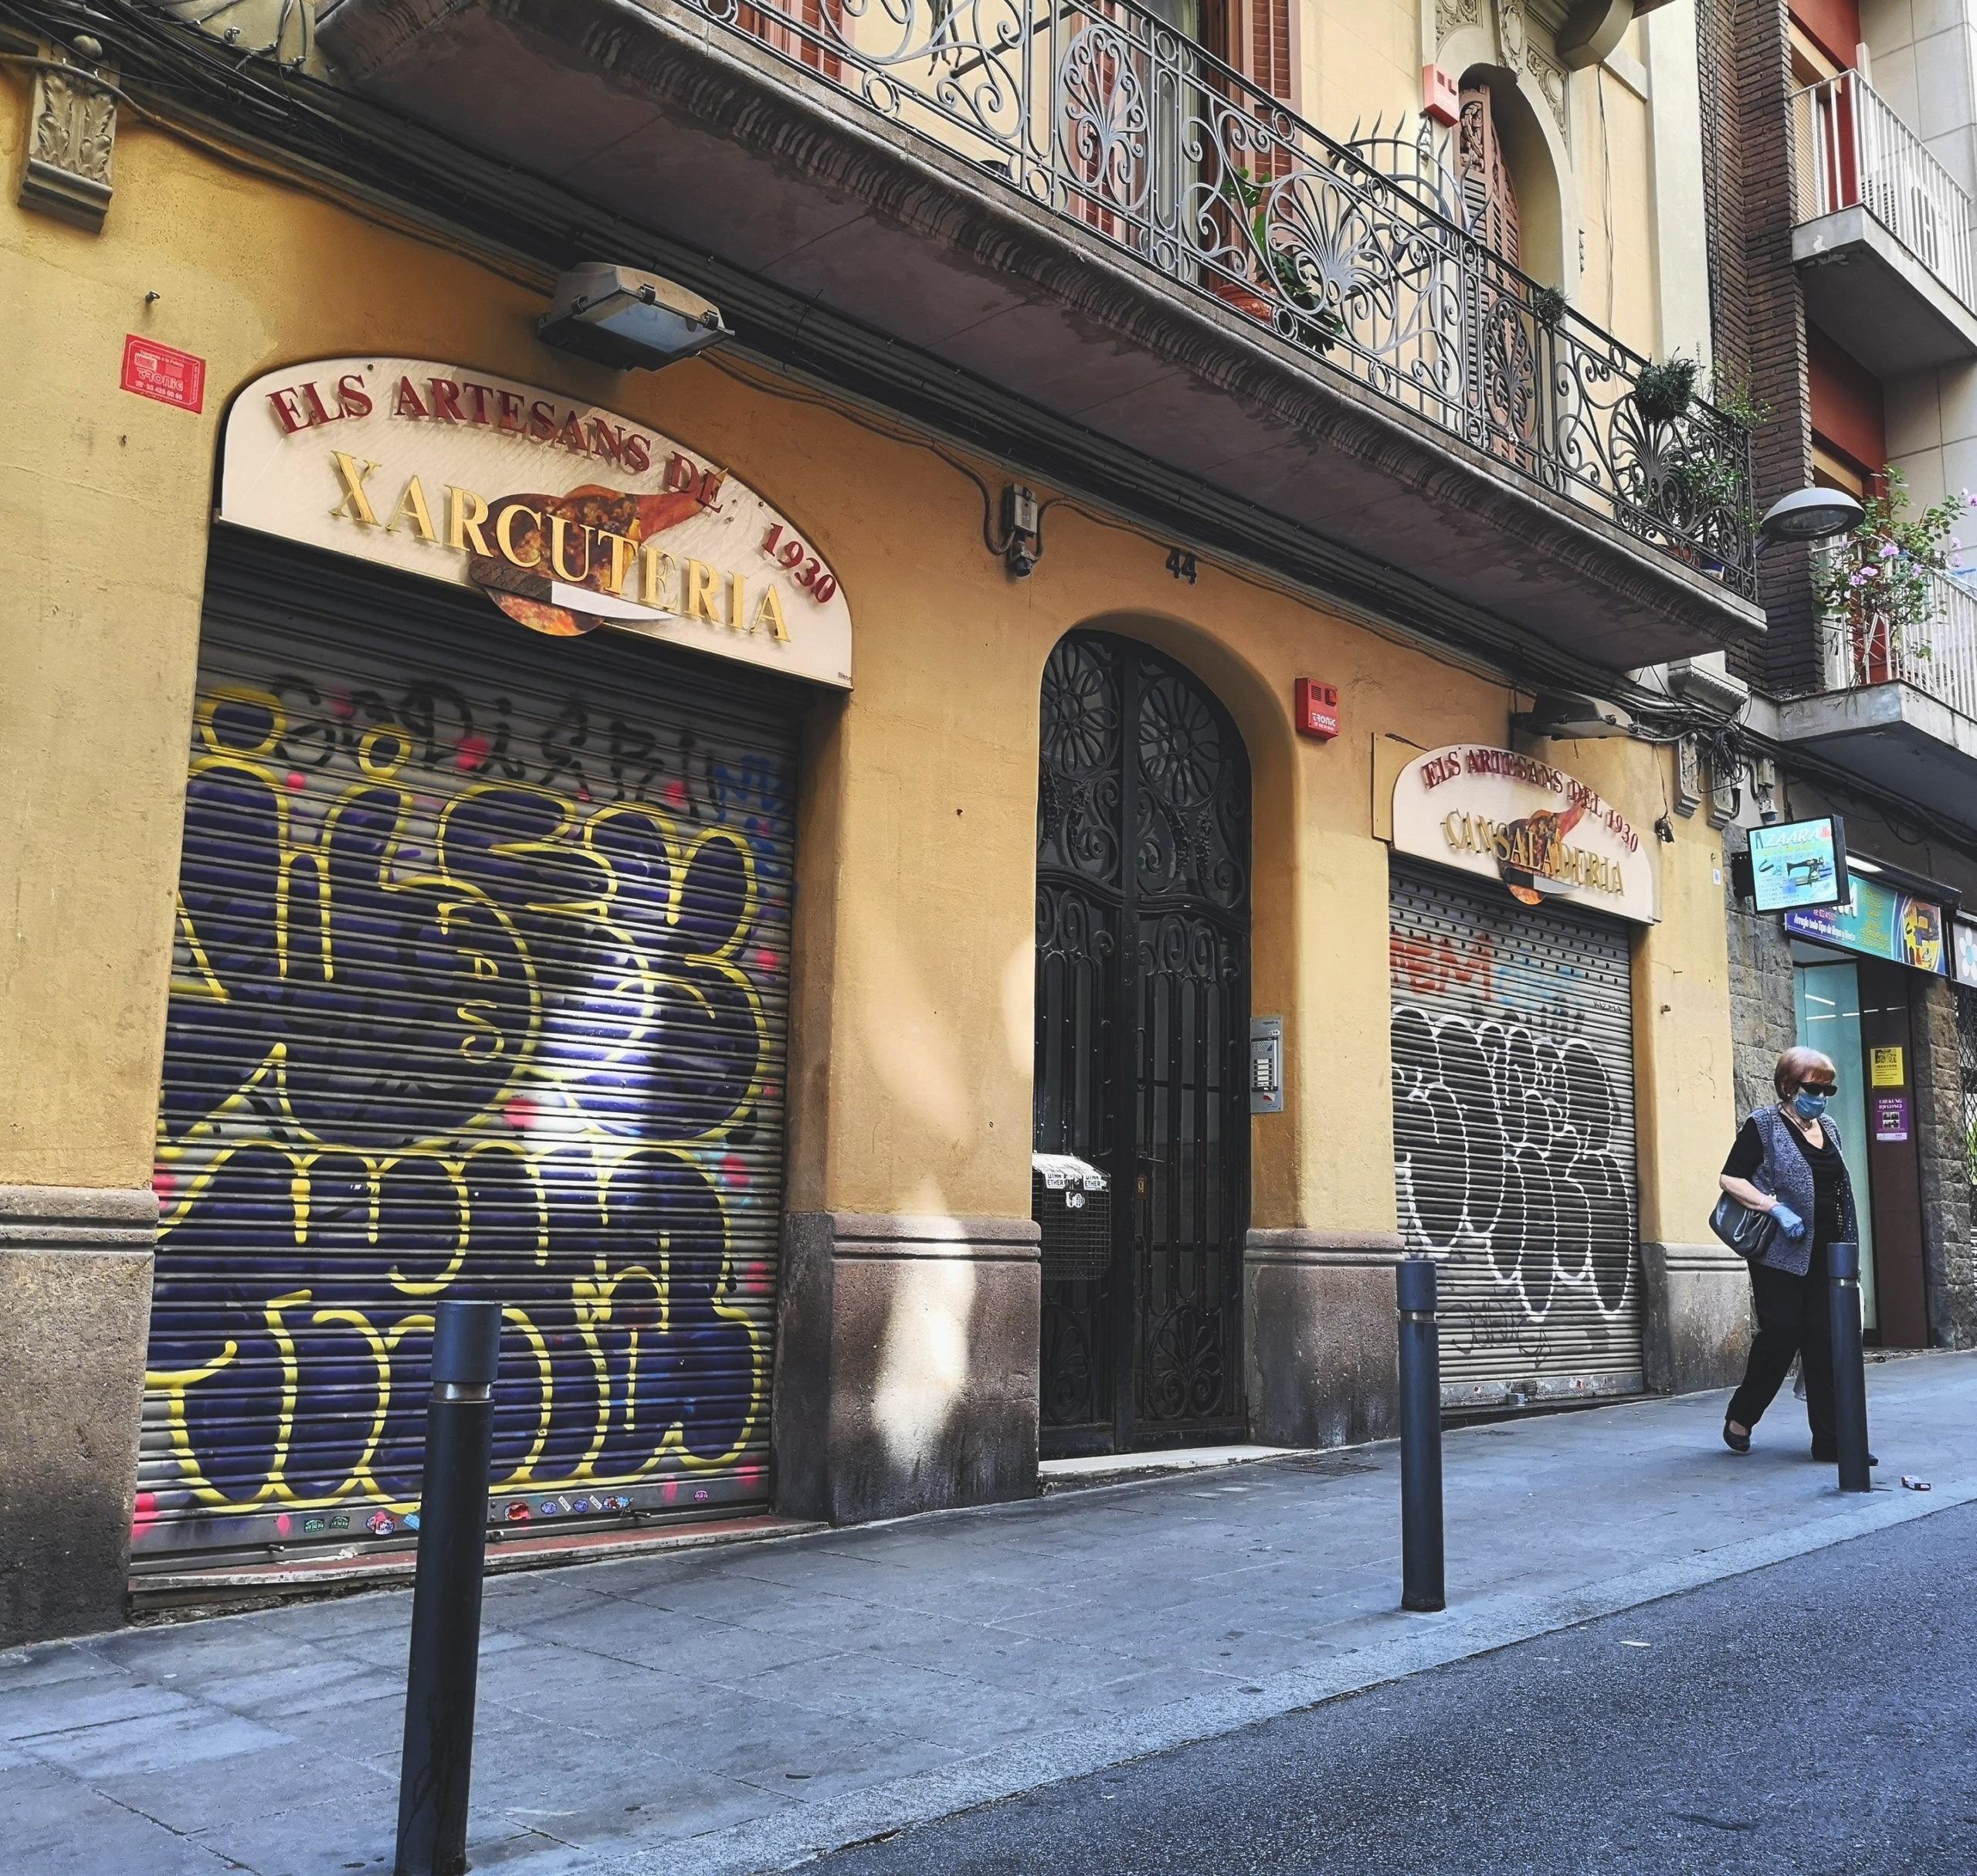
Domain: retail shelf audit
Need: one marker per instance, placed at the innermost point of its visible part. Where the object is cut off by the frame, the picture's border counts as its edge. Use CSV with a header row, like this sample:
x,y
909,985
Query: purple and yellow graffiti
x,y
467,1003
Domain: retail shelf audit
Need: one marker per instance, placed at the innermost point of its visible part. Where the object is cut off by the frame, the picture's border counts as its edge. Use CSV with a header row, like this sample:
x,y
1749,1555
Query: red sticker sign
x,y
172,377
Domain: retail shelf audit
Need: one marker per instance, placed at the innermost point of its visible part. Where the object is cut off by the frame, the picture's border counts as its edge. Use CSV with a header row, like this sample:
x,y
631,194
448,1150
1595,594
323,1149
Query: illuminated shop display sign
x,y
1877,921
1796,864
1544,835
1963,933
567,517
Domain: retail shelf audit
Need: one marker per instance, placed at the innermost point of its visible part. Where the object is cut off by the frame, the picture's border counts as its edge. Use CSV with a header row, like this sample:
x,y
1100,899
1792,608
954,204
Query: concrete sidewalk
x,y
739,1709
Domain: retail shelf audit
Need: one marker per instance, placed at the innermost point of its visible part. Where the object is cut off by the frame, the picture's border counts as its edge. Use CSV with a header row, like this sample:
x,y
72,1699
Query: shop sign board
x,y
566,516
1878,922
1799,863
1546,836
1963,933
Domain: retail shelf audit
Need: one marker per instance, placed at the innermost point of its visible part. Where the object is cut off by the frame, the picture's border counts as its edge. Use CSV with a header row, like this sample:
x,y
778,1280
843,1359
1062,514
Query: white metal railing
x,y
1850,147
1866,642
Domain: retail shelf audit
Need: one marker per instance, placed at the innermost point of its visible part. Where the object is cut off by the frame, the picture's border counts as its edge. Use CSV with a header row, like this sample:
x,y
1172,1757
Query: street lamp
x,y
1809,515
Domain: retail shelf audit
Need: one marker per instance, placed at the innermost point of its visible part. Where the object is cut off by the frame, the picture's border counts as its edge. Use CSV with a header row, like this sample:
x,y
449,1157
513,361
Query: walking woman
x,y
1787,1161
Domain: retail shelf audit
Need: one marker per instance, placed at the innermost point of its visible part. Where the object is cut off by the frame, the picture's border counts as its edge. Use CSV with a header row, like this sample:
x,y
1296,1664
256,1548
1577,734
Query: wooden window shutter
x,y
1254,37
1271,26
1489,199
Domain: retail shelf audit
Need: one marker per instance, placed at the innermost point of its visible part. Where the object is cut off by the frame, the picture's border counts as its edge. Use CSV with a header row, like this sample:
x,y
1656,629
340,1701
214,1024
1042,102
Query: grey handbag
x,y
1748,1233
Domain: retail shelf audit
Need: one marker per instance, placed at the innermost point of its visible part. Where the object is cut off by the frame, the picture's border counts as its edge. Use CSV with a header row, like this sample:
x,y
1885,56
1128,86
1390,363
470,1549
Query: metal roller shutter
x,y
1514,1139
480,990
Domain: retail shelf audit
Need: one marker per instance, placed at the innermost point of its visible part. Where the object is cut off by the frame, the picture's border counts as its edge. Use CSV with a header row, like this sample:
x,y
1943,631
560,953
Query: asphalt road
x,y
1819,1718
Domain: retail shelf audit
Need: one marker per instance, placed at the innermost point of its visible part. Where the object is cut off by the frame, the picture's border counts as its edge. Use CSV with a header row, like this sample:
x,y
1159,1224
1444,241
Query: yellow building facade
x,y
838,1250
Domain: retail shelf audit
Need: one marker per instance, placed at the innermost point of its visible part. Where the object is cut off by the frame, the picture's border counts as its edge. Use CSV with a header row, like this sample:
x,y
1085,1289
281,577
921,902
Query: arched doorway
x,y
1142,1028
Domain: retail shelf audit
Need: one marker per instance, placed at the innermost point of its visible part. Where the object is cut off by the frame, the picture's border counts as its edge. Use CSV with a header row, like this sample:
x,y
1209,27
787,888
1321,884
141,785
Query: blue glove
x,y
1788,1221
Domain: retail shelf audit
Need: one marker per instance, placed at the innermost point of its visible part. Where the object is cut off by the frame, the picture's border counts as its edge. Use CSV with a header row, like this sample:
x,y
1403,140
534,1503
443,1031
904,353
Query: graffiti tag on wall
x,y
468,1002
1512,1151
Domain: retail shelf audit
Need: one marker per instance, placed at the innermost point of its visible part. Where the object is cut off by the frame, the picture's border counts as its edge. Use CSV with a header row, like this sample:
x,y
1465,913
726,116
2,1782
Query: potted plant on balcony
x,y
1879,590
1703,454
1317,324
1663,391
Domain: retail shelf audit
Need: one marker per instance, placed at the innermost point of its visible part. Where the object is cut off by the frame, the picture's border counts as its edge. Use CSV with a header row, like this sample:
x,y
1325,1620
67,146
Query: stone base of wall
x,y
75,1316
906,1367
1322,1351
1697,1331
1949,1232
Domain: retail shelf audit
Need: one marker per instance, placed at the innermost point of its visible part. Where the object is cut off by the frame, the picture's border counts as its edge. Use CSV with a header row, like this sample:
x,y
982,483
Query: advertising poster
x,y
1878,922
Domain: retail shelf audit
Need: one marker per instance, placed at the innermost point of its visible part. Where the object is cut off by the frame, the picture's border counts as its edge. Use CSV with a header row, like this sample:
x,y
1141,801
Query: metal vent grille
x,y
1072,1203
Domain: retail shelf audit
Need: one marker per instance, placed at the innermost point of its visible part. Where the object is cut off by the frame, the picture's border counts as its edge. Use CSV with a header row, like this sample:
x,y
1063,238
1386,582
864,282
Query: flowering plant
x,y
1881,582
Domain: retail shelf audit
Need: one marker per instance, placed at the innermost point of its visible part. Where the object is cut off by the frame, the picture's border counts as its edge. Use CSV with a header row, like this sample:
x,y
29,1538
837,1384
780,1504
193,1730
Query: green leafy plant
x,y
1880,583
1548,305
1705,478
1733,394
1319,325
1663,391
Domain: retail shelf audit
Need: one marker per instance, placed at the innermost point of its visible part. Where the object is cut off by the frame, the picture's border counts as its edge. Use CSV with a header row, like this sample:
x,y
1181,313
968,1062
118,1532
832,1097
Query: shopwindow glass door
x,y
1828,997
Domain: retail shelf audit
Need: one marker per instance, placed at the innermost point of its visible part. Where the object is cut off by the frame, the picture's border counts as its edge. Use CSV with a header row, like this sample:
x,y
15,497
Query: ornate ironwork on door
x,y
1142,1022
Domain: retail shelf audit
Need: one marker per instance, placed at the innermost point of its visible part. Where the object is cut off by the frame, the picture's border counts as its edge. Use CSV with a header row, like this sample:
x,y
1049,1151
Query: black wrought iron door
x,y
1142,1025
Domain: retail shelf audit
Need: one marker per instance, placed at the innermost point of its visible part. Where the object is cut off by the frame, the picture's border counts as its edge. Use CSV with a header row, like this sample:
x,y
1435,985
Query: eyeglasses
x,y
1819,1088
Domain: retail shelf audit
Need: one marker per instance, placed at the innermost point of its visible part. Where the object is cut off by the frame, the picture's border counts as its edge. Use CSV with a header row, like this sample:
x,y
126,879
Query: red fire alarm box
x,y
1317,709
1440,100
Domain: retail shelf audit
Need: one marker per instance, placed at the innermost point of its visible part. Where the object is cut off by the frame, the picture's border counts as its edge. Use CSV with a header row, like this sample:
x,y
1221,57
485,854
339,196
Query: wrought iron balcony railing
x,y
1105,116
1930,644
1849,147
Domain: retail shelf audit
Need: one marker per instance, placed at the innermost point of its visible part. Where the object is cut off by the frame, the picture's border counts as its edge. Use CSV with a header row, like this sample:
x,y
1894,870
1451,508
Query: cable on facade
x,y
359,147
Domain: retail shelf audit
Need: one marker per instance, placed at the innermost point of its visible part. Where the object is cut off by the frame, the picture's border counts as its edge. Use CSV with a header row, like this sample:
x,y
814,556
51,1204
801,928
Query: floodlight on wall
x,y
629,321
1565,716
1809,515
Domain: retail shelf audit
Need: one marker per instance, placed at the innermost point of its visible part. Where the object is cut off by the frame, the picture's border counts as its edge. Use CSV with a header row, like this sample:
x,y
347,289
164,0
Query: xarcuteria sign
x,y
1545,835
567,517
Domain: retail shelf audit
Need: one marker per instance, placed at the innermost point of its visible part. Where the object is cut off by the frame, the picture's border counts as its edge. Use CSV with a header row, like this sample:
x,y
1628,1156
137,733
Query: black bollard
x,y
1850,1371
1421,1581
438,1764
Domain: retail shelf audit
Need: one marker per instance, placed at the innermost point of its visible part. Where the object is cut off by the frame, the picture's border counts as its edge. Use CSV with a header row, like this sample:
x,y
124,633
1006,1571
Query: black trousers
x,y
1794,1317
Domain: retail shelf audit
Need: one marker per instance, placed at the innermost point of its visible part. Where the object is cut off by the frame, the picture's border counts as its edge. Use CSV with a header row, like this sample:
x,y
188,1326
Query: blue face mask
x,y
1809,1105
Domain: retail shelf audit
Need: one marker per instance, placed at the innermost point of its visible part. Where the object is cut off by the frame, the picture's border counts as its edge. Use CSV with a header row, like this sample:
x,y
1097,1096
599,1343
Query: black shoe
x,y
1737,1442
1827,1456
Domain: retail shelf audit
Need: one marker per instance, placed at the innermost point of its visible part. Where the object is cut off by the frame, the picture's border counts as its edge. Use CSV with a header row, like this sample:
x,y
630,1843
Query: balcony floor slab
x,y
1864,289
1896,736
